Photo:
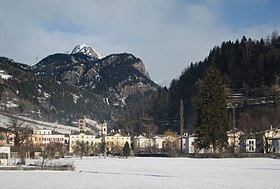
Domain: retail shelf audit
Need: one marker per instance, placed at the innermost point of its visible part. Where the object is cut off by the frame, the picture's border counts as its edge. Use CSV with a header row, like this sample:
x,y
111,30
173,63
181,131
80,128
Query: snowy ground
x,y
152,173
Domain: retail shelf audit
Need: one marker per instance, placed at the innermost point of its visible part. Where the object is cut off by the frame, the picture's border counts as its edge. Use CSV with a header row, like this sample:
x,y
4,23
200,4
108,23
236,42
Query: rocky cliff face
x,y
87,50
116,77
68,86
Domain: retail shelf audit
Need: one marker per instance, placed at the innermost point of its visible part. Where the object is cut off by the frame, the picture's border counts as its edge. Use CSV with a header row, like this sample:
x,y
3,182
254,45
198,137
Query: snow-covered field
x,y
152,173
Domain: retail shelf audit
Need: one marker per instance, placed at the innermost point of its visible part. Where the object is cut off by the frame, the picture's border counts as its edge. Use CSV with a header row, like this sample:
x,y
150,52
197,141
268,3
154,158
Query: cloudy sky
x,y
166,34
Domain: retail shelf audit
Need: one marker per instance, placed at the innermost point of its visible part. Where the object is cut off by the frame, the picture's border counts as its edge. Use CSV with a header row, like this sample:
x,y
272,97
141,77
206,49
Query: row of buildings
x,y
267,141
39,139
113,142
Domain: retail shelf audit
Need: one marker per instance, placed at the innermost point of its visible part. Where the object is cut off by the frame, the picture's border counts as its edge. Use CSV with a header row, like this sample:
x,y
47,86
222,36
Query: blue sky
x,y
248,14
166,34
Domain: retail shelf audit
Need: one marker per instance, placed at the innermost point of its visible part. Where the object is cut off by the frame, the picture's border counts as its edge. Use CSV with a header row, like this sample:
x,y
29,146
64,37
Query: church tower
x,y
82,125
104,129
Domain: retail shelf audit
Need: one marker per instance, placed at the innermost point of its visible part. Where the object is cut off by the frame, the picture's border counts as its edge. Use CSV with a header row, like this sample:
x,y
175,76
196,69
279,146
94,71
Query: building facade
x,y
5,152
115,142
43,137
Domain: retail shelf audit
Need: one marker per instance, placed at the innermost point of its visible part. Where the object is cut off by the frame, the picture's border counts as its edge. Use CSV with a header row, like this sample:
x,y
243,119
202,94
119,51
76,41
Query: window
x,y
251,142
3,156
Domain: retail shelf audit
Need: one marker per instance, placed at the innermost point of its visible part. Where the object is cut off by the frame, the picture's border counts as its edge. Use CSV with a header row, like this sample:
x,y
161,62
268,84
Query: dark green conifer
x,y
212,119
126,150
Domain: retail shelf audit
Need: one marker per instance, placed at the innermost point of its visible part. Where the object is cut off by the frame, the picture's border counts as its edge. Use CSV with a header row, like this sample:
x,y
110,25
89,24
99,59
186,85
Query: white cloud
x,y
167,36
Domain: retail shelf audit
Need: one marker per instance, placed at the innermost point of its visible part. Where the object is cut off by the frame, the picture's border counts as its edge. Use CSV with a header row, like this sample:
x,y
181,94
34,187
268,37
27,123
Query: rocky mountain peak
x,y
87,50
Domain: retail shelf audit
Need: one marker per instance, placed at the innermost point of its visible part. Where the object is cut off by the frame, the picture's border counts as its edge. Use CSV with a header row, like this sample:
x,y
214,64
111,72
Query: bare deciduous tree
x,y
21,132
82,148
51,151
150,130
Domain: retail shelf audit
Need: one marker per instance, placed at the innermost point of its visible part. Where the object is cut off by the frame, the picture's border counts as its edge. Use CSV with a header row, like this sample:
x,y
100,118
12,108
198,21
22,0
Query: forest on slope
x,y
250,72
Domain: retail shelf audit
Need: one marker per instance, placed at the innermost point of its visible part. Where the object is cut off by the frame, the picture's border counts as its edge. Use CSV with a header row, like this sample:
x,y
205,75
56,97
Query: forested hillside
x,y
250,73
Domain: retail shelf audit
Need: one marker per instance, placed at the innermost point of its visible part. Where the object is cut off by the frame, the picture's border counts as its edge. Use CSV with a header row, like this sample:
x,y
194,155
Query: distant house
x,y
5,152
114,142
5,143
168,140
143,143
43,137
248,143
6,137
190,145
80,136
116,139
234,140
158,141
192,148
268,138
276,145
251,145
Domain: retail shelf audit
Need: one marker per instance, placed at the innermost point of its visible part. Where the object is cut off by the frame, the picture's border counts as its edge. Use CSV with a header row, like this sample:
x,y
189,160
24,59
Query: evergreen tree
x,y
126,150
212,119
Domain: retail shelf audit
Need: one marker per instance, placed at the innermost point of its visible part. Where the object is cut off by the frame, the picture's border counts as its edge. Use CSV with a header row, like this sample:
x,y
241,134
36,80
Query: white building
x,y
5,155
251,145
190,145
43,137
142,142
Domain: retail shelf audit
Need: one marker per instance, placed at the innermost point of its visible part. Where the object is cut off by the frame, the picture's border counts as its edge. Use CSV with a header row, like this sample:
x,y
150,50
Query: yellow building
x,y
268,138
98,140
6,137
83,136
115,142
234,140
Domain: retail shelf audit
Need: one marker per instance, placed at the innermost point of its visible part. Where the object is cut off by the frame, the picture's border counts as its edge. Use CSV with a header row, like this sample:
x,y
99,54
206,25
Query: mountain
x,y
87,50
119,78
66,87
250,72
24,93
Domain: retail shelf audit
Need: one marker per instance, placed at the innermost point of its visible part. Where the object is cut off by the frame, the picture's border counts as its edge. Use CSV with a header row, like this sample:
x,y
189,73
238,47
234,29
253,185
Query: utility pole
x,y
234,127
182,120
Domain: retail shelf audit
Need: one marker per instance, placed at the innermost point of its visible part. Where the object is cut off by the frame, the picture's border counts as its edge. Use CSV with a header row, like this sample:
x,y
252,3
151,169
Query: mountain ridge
x,y
66,86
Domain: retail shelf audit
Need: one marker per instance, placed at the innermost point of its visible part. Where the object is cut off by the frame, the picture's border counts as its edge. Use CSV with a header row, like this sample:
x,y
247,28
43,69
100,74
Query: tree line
x,y
250,65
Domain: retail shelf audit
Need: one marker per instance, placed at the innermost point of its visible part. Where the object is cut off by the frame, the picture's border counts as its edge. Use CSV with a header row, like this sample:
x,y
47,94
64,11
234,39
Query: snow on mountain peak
x,y
87,50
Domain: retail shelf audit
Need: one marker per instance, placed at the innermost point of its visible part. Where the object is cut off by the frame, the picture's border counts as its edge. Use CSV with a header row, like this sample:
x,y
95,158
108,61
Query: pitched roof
x,y
80,132
117,135
2,129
